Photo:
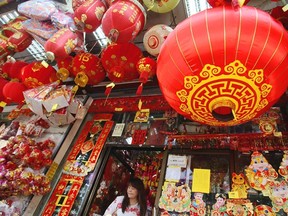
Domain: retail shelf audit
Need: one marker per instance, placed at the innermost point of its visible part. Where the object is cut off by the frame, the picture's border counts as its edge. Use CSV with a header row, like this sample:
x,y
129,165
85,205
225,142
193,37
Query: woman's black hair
x,y
138,184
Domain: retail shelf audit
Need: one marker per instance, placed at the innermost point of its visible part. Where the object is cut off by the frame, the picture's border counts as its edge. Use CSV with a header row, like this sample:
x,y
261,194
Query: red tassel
x,y
108,90
144,76
140,89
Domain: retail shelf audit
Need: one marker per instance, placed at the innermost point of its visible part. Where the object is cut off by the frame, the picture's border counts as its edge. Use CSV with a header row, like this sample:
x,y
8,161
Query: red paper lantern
x,y
36,74
123,21
224,59
13,91
77,3
88,16
15,71
90,65
119,60
3,82
62,43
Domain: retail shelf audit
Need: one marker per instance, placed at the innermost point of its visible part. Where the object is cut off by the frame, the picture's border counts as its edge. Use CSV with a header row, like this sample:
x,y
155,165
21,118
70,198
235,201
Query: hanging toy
x,y
239,184
264,210
219,208
260,172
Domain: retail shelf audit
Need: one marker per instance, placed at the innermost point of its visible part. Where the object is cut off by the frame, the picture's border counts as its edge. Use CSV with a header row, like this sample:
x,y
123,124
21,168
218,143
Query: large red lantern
x,y
3,82
224,66
15,71
119,61
37,74
123,21
89,65
13,91
88,16
62,43
64,68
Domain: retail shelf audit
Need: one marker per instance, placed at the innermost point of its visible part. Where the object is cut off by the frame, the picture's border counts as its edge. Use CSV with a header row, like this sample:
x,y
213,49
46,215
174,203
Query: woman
x,y
133,203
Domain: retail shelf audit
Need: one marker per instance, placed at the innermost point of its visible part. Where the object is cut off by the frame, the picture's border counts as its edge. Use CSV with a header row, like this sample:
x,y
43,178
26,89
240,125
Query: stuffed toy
x,y
279,196
263,210
283,168
239,184
260,172
219,208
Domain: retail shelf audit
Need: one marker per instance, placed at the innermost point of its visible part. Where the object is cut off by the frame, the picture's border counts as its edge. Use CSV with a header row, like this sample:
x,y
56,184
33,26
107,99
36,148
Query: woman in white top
x,y
133,203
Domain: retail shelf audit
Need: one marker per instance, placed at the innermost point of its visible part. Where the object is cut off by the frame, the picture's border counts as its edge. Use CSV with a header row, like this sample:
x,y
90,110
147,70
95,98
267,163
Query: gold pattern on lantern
x,y
123,58
37,66
246,89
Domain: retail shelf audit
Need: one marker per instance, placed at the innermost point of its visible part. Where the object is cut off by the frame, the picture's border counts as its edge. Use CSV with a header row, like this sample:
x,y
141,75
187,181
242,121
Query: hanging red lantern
x,y
119,61
88,16
64,68
15,71
3,82
123,21
224,66
91,66
62,43
13,91
146,67
36,74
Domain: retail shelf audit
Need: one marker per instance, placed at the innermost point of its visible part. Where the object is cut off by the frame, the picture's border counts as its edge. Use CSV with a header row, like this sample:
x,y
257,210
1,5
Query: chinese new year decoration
x,y
161,6
88,15
224,66
123,21
119,61
87,68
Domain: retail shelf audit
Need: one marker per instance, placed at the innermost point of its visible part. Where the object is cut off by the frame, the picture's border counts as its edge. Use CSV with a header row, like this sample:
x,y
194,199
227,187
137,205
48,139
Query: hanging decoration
x,y
146,68
161,6
15,71
280,15
13,91
123,21
264,210
64,68
217,3
278,196
87,69
36,74
260,172
155,37
62,43
213,70
3,82
239,184
77,3
283,168
119,61
88,15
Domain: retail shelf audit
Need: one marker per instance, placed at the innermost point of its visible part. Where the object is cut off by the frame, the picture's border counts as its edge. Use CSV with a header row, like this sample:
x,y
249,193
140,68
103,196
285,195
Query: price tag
x,y
2,104
233,195
52,170
45,64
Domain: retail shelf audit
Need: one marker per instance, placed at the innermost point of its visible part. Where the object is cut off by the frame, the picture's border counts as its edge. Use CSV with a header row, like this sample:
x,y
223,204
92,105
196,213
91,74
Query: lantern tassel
x,y
139,89
144,76
109,88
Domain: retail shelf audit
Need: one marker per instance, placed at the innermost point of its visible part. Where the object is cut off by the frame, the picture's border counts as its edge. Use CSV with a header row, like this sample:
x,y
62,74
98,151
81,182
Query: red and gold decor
x,y
123,21
155,37
64,68
77,3
3,82
146,67
224,66
13,91
263,210
161,6
239,207
18,41
283,168
16,70
62,43
81,160
88,15
119,61
87,69
36,74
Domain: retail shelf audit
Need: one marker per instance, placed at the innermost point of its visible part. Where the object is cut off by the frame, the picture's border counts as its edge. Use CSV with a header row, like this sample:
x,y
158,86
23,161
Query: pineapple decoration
x,y
259,173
